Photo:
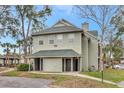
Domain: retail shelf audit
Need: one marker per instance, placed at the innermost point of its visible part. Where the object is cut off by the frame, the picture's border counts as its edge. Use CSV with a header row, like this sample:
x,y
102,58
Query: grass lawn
x,y
108,74
62,80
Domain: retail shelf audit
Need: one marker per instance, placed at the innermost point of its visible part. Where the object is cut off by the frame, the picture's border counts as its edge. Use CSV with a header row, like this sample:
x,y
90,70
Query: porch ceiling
x,y
55,53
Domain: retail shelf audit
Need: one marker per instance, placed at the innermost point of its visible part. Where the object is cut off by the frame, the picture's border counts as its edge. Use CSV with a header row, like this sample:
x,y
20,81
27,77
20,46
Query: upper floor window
x,y
41,42
71,37
51,41
59,38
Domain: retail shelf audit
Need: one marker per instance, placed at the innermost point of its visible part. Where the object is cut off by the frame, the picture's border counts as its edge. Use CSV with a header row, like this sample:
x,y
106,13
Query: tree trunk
x,y
6,58
19,51
14,56
25,51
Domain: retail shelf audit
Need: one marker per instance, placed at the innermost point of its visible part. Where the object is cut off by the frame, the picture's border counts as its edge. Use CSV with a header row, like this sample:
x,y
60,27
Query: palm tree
x,y
14,46
19,44
7,50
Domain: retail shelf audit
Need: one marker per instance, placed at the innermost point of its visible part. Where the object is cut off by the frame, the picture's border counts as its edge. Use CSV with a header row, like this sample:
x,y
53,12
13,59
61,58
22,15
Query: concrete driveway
x,y
21,82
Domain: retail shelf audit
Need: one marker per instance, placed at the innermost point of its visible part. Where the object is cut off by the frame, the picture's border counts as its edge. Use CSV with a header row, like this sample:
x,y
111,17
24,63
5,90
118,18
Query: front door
x,y
68,64
37,64
75,64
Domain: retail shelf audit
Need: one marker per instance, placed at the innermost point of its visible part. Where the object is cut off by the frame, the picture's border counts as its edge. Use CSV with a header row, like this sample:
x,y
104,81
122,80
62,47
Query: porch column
x,y
71,64
64,64
34,65
78,63
29,64
40,65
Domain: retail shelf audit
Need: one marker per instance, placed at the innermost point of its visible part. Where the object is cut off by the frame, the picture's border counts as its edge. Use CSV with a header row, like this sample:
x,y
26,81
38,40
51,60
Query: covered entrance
x,y
64,60
70,64
38,64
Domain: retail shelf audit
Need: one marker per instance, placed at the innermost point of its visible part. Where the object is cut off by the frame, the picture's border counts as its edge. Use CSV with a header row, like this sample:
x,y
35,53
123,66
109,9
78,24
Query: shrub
x,y
23,67
92,68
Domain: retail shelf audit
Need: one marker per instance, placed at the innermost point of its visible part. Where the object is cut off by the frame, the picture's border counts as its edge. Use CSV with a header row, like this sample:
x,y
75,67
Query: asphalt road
x,y
21,82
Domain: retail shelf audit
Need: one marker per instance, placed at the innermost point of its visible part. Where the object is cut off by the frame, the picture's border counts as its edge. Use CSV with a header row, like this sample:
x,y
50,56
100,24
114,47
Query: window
x,y
41,42
71,37
51,41
59,38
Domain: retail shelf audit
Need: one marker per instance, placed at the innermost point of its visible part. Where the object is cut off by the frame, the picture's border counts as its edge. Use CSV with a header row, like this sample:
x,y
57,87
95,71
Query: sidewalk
x,y
76,74
8,70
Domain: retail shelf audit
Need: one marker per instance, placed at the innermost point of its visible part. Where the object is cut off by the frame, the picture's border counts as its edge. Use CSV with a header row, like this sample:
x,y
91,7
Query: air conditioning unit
x,y
55,45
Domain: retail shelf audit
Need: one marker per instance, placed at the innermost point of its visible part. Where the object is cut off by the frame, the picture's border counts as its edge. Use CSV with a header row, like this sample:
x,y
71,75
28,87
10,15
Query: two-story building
x,y
64,47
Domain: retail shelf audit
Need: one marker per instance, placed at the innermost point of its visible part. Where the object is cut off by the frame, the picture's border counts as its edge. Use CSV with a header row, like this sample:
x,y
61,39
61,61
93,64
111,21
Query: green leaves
x,y
8,22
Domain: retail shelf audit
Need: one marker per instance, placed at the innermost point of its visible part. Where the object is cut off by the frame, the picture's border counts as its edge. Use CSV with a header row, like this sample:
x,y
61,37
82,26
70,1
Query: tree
x,y
8,23
34,20
7,51
14,46
19,44
29,18
101,15
116,33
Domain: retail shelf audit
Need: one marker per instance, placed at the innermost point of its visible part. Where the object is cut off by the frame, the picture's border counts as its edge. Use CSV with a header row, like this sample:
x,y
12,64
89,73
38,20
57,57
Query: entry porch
x,y
64,64
64,60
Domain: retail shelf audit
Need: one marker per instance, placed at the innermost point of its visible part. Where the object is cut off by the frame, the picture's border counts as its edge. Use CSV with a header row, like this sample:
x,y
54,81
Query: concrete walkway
x,y
121,84
76,74
8,70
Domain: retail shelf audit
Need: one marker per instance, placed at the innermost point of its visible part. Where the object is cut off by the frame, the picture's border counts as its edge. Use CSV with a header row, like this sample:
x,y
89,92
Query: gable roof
x,y
56,53
62,26
63,22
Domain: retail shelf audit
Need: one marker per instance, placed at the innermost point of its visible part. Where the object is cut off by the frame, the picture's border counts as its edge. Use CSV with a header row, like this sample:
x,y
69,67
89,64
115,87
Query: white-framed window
x,y
40,42
51,41
71,37
59,37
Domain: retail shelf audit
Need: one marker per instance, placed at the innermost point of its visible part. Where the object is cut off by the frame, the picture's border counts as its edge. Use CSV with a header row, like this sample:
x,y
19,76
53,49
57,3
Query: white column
x,y
34,65
79,64
71,64
29,64
64,65
40,65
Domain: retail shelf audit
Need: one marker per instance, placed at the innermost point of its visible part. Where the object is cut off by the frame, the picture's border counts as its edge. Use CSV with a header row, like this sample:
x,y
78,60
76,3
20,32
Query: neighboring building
x,y
122,58
11,60
64,47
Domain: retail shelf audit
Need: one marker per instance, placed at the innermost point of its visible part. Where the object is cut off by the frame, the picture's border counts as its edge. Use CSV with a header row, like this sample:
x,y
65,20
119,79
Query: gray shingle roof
x,y
62,29
56,53
66,27
95,33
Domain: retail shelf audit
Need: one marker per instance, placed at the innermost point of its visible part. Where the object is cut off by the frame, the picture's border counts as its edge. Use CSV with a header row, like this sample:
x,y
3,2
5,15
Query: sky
x,y
59,12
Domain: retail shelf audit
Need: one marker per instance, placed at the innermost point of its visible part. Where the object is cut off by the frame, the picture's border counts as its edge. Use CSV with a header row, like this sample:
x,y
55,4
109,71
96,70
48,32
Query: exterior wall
x,y
87,49
65,44
84,55
1,61
122,58
93,53
89,56
52,64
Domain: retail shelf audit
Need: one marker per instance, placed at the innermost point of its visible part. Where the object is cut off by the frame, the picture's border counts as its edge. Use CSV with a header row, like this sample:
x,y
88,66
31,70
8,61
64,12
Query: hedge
x,y
23,67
